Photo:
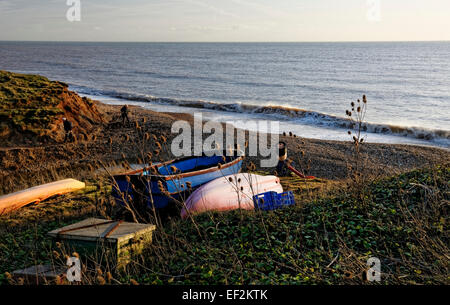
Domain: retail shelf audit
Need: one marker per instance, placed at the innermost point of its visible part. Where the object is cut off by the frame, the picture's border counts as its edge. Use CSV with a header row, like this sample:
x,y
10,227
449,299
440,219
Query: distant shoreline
x,y
112,144
189,117
305,86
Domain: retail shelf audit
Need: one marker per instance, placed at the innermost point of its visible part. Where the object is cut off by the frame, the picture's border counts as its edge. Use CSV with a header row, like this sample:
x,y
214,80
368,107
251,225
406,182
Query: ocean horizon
x,y
306,86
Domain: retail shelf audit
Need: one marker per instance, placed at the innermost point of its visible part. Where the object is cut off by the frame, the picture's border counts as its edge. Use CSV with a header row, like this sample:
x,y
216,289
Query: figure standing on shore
x,y
68,130
124,111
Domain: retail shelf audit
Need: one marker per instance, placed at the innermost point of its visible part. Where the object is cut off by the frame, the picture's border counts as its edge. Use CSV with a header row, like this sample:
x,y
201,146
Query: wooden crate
x,y
40,274
126,240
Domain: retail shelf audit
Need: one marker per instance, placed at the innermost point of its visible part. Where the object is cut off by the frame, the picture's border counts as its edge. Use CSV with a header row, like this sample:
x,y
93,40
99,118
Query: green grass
x,y
399,223
403,221
28,103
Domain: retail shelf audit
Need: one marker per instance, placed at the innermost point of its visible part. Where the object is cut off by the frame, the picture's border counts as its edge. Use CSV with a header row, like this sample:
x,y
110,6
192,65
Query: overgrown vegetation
x,y
32,106
326,240
28,103
404,224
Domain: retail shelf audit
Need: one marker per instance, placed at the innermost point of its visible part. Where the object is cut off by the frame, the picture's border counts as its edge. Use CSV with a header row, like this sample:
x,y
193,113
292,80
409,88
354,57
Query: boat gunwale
x,y
185,175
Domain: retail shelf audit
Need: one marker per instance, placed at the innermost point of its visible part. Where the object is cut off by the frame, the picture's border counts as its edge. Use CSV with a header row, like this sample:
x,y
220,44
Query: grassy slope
x,y
28,103
32,107
403,222
327,240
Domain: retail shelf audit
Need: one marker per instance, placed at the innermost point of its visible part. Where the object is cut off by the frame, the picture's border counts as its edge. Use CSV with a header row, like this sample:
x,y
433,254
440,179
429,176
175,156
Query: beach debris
x,y
37,194
285,164
272,200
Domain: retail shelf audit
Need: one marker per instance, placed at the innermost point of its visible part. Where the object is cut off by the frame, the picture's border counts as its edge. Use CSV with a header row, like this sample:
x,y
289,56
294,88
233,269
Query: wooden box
x,y
40,274
90,239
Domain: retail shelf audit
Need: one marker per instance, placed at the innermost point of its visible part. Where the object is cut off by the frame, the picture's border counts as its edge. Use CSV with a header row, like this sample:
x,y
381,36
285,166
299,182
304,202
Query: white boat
x,y
230,193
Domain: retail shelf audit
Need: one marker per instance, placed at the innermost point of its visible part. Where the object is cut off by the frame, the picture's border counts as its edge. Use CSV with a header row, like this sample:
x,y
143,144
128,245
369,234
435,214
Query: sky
x,y
226,20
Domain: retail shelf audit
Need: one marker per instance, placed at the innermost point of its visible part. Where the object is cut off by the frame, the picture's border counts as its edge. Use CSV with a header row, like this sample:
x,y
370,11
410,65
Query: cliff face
x,y
32,108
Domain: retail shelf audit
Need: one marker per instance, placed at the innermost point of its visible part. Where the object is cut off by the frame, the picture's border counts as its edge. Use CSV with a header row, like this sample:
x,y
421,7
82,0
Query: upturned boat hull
x,y
230,193
38,193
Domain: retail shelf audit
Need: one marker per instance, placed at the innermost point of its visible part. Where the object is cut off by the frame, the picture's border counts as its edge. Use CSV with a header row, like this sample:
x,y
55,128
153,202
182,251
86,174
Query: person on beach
x,y
68,130
124,111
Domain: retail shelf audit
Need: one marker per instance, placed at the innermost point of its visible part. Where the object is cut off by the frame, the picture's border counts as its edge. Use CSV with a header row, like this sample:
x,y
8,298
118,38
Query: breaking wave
x,y
286,113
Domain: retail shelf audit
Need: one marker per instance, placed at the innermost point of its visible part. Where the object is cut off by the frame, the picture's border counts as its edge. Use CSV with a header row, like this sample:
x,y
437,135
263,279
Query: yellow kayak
x,y
38,193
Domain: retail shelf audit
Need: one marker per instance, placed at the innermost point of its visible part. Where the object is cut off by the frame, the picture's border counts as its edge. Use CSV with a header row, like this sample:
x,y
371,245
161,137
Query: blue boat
x,y
173,180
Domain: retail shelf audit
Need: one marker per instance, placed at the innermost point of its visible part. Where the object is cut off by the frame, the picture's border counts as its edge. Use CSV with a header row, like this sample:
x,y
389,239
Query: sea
x,y
306,87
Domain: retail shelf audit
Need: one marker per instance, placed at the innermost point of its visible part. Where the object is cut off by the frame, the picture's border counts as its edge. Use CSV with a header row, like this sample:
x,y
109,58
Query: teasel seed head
x,y
154,170
160,185
101,280
109,276
99,271
58,280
